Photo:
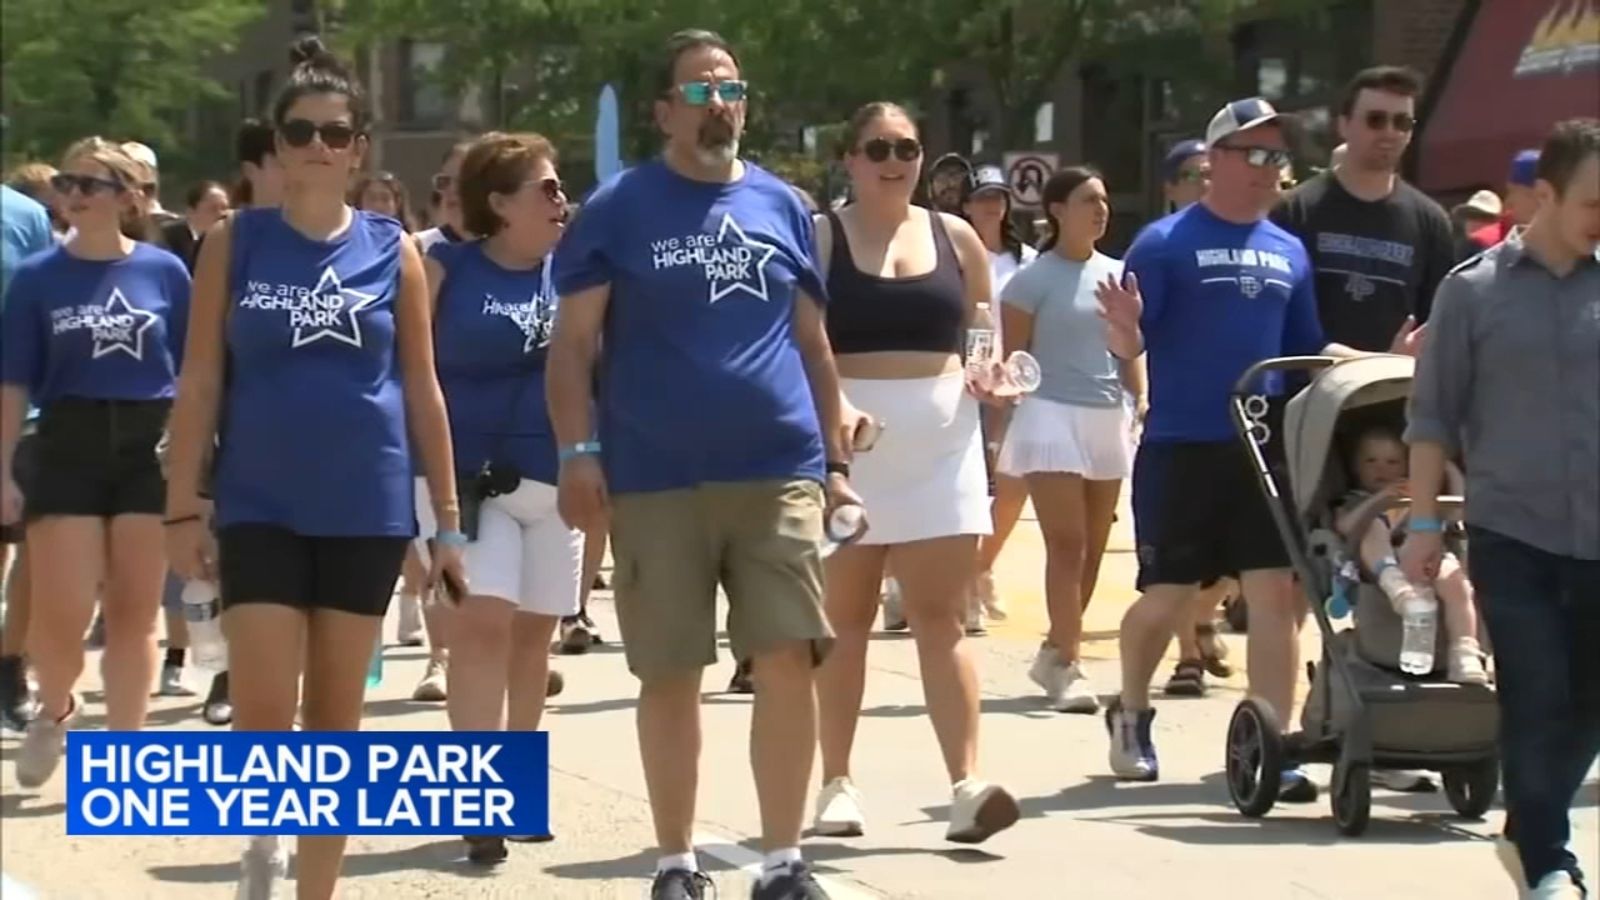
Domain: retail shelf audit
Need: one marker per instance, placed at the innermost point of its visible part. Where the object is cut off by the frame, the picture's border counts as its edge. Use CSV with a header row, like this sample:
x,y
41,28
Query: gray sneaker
x,y
42,745
262,869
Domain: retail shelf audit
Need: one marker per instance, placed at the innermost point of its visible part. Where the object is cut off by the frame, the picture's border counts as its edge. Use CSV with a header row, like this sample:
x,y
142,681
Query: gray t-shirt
x,y
1069,338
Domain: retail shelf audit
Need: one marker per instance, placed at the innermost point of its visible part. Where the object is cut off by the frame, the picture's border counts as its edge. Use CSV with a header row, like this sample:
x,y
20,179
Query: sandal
x,y
1188,679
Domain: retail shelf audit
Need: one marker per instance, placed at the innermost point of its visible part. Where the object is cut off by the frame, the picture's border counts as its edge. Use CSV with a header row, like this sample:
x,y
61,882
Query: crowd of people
x,y
290,394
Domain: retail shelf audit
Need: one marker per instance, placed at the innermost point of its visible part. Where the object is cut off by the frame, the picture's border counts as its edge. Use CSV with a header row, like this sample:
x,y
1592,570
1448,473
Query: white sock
x,y
684,861
777,863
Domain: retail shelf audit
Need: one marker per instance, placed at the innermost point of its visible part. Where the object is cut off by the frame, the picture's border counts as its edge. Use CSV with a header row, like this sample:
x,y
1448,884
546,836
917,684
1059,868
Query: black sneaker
x,y
681,884
743,681
17,708
796,884
486,849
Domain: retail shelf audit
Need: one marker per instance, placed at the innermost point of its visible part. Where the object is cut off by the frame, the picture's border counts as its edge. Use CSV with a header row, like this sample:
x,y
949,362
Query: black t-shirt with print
x,y
1376,262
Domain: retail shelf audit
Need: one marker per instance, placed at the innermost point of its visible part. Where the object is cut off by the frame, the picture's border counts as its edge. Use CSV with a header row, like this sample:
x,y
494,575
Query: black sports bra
x,y
868,313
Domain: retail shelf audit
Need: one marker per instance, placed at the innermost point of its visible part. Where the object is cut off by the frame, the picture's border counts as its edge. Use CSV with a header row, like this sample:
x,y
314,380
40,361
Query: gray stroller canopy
x,y
1312,417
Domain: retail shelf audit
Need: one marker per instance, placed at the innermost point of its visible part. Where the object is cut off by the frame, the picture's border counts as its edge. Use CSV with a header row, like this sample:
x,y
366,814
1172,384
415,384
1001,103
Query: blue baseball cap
x,y
1523,168
1240,115
1180,153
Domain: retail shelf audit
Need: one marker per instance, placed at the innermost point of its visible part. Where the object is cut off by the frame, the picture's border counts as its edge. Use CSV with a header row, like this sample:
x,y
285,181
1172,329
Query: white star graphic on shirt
x,y
330,286
130,340
738,282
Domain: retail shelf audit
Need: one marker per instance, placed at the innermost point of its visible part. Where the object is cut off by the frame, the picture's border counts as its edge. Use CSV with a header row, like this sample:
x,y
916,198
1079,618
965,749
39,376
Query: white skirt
x,y
1046,436
925,476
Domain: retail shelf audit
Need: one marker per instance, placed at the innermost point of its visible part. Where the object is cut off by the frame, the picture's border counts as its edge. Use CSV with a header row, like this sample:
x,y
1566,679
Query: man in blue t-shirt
x,y
720,417
1211,290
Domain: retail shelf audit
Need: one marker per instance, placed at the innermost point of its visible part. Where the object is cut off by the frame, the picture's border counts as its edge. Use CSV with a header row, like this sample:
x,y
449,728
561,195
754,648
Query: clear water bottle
x,y
982,349
375,667
1419,618
202,614
844,525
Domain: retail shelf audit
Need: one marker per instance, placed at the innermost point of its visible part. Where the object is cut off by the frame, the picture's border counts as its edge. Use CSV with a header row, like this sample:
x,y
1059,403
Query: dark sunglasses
x,y
904,149
300,132
1376,119
698,93
1260,156
1192,176
442,182
552,188
87,185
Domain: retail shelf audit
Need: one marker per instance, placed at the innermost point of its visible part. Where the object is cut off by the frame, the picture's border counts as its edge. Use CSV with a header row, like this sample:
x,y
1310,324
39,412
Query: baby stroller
x,y
1362,711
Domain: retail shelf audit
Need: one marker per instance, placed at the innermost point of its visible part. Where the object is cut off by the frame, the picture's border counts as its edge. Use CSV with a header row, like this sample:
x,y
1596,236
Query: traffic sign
x,y
1027,173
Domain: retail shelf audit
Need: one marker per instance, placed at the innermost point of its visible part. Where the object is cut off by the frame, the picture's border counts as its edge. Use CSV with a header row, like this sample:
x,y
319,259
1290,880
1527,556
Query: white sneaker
x,y
1466,662
975,625
979,811
262,869
1064,686
408,630
1556,886
42,746
839,810
894,613
988,599
172,684
431,689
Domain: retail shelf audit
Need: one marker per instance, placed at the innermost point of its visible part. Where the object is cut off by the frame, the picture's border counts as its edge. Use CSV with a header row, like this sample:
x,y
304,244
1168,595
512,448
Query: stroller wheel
x,y
1352,797
1255,757
1470,789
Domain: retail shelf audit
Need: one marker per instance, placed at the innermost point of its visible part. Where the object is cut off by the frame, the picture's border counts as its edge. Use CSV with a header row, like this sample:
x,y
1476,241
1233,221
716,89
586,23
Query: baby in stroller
x,y
1379,466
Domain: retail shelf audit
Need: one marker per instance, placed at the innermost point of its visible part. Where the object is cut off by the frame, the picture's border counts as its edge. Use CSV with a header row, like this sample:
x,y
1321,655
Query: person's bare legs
x,y
852,576
934,575
1277,611
783,739
1010,496
14,631
528,670
668,721
1456,605
478,672
1100,508
1075,517
339,647
137,567
1145,633
67,560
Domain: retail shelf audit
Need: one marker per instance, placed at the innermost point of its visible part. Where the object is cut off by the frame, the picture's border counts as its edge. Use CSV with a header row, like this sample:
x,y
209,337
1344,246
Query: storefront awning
x,y
1525,65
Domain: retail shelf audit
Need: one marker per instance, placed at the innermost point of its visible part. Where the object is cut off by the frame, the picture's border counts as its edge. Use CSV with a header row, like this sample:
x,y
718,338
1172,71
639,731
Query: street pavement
x,y
1082,834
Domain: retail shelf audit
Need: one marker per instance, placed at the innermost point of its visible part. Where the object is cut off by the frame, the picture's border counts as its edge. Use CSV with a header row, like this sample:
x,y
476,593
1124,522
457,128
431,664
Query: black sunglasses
x,y
905,149
1376,119
300,132
65,183
1260,156
552,188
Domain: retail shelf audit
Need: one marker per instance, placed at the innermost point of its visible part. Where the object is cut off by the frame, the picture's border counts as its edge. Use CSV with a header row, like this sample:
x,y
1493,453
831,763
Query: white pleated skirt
x,y
1047,436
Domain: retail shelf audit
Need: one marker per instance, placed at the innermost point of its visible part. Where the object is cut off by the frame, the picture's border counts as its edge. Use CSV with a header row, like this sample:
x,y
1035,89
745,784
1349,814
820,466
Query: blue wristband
x,y
450,539
582,448
1424,525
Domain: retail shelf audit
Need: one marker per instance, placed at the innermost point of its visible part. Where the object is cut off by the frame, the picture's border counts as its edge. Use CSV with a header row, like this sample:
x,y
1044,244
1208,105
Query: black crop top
x,y
868,313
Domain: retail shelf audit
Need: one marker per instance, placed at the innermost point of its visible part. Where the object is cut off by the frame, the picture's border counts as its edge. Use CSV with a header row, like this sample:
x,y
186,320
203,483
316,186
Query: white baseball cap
x,y
141,153
1240,115
1486,202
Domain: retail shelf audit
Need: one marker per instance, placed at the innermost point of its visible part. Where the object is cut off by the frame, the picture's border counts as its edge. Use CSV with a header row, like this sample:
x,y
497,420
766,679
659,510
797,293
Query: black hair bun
x,y
308,51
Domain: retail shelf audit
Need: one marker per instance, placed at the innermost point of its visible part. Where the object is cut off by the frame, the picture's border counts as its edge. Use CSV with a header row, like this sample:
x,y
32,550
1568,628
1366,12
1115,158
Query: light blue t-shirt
x,y
24,231
1069,338
701,378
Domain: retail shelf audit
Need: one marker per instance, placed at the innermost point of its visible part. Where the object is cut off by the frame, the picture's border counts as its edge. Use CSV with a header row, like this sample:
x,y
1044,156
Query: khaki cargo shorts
x,y
760,540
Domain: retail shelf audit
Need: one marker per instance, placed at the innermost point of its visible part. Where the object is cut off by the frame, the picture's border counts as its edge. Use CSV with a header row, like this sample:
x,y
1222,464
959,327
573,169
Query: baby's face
x,y
1380,462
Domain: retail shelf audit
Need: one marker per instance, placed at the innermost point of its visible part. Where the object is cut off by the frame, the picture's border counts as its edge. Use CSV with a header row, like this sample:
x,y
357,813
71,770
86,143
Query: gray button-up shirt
x,y
1510,377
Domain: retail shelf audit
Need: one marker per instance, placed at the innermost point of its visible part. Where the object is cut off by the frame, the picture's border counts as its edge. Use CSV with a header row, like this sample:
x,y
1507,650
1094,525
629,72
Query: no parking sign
x,y
1027,173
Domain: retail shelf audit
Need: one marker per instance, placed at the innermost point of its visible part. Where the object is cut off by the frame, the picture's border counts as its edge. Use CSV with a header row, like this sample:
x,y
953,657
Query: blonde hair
x,y
31,178
132,174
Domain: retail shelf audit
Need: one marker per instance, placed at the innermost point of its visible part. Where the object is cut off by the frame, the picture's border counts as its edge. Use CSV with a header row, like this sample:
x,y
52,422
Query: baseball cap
x,y
141,153
951,160
1238,116
1486,202
1523,167
1180,153
989,178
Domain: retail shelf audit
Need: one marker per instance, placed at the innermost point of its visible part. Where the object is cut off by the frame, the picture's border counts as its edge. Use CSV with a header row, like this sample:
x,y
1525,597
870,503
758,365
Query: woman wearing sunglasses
x,y
310,355
494,306
93,334
903,283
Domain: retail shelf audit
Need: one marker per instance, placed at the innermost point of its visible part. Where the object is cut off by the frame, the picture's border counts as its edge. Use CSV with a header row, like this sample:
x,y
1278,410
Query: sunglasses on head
x,y
66,183
300,132
1376,119
904,149
1261,156
699,93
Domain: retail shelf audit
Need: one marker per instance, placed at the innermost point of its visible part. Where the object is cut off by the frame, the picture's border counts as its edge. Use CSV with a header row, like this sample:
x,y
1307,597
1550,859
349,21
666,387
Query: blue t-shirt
x,y
99,329
24,231
490,333
313,437
700,376
1219,297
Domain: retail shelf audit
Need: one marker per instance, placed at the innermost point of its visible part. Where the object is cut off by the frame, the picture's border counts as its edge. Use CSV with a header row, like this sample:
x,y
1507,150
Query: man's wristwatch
x,y
838,468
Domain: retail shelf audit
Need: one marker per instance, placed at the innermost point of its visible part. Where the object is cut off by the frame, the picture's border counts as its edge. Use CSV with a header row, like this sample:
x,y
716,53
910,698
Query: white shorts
x,y
1046,436
525,553
925,477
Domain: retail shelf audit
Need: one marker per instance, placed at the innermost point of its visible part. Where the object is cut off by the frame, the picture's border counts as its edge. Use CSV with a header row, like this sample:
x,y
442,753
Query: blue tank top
x,y
491,329
313,436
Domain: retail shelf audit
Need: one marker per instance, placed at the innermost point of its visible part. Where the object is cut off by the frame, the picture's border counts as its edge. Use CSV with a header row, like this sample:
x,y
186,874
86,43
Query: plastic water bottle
x,y
981,344
844,524
207,648
1419,617
375,667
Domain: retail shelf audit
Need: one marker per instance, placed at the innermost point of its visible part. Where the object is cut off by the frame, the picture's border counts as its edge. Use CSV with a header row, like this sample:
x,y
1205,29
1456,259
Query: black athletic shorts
x,y
267,564
1199,514
97,458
